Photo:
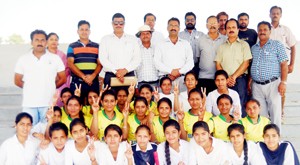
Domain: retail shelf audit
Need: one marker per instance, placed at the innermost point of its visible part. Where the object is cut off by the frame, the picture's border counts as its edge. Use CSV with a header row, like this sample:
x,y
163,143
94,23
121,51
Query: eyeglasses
x,y
118,23
190,20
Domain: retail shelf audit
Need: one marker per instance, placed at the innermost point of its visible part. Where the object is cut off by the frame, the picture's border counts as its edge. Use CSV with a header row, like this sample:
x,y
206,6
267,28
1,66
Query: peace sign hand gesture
x,y
77,91
128,152
180,112
236,113
91,150
131,88
103,90
125,111
156,94
176,89
95,106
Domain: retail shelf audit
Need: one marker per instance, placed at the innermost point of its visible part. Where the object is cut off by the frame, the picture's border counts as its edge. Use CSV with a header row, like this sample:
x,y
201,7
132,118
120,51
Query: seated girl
x,y
274,150
144,151
241,151
205,149
254,123
218,125
173,150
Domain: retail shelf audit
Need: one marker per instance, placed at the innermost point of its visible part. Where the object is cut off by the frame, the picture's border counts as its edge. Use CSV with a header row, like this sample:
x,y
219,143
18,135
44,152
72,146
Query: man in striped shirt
x,y
83,61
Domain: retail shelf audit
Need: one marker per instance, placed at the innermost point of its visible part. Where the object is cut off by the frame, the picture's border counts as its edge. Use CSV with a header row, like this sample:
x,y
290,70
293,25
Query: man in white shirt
x,y
39,73
283,34
119,52
150,19
174,56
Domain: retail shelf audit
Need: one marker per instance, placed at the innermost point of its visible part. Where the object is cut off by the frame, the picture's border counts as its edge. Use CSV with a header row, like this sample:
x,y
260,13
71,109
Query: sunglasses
x,y
118,22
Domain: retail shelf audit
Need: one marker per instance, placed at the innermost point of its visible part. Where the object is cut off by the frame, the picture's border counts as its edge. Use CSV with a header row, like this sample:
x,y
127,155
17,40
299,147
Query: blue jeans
x,y
241,88
38,114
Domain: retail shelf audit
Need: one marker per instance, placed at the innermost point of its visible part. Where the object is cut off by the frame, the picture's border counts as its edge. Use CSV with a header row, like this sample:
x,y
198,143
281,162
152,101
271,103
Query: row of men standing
x,y
223,47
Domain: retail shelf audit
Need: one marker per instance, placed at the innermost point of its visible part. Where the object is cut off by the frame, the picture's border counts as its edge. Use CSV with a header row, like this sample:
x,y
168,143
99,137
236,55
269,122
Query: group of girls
x,y
152,131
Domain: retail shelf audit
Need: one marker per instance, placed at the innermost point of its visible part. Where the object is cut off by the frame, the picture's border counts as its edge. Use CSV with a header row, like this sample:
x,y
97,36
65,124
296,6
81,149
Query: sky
x,y
61,16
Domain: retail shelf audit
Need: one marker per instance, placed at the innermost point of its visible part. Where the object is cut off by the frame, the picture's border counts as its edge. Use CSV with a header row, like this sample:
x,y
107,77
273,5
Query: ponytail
x,y
167,153
245,152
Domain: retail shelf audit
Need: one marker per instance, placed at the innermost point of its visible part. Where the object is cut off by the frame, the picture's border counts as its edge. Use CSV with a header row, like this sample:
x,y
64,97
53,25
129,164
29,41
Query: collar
x,y
105,115
250,120
237,40
83,43
149,147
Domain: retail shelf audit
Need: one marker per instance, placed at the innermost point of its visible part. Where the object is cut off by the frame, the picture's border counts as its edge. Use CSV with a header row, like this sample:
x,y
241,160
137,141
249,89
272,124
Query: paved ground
x,y
10,100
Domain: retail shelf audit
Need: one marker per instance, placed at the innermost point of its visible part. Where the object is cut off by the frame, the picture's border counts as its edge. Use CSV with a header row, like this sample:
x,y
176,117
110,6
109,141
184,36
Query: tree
x,y
15,39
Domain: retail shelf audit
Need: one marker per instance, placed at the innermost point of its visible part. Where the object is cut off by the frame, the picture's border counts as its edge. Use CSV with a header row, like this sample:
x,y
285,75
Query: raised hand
x,y
151,114
156,94
131,89
50,113
203,91
95,106
103,90
128,152
236,113
176,89
55,98
180,112
125,110
77,91
91,150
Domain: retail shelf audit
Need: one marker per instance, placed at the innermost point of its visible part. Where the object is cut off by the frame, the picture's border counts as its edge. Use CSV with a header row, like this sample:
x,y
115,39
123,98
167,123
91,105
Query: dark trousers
x,y
241,88
85,88
209,84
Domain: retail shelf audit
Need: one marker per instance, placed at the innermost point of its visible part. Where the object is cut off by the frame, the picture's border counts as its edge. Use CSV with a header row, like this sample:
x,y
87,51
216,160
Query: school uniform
x,y
175,157
285,154
104,156
215,157
133,122
104,121
252,154
12,152
254,132
158,129
190,119
142,158
67,121
51,156
74,157
218,126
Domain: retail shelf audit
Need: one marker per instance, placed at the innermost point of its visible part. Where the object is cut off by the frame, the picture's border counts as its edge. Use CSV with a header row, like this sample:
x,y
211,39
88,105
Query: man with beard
x,y
191,34
222,18
174,57
208,45
39,73
284,34
146,71
269,73
246,34
233,56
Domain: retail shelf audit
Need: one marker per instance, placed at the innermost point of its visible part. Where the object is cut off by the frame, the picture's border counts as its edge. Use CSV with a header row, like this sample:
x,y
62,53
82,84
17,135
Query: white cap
x,y
143,28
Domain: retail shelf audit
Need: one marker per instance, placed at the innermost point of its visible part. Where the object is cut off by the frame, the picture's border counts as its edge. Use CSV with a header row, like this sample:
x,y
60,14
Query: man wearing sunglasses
x,y
119,52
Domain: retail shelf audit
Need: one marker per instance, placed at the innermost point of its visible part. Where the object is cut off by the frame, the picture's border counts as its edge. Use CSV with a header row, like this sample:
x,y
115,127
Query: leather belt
x,y
267,81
